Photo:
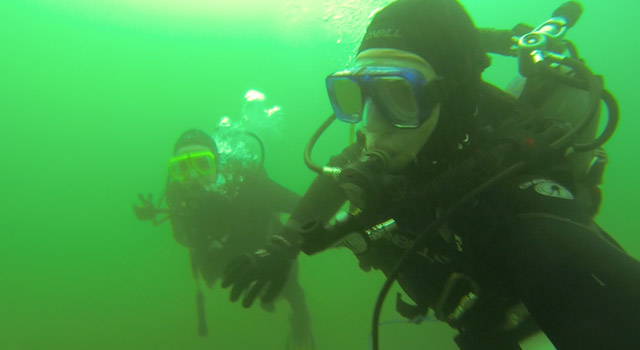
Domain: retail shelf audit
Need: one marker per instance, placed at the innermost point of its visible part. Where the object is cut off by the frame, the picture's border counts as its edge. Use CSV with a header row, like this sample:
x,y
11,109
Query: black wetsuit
x,y
527,241
218,226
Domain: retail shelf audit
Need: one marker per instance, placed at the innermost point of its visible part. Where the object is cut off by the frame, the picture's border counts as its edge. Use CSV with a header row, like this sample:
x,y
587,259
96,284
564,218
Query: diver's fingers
x,y
253,293
148,201
273,289
267,307
234,270
240,286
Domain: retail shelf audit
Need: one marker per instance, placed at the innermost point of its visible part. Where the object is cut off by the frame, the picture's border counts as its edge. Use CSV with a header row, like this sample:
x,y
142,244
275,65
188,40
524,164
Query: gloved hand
x,y
262,273
147,211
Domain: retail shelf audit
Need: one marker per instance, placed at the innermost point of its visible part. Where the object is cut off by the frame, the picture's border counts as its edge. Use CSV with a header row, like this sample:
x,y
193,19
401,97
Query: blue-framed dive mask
x,y
403,95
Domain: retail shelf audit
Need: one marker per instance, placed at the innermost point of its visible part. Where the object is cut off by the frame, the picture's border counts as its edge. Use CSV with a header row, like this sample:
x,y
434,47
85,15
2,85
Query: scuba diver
x,y
478,203
221,204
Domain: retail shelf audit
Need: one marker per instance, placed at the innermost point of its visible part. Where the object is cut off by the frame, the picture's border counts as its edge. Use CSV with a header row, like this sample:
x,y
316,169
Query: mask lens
x,y
179,169
396,96
347,99
203,163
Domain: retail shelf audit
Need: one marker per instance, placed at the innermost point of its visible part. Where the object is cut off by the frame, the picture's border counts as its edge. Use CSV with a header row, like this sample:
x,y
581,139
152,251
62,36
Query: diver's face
x,y
398,146
194,177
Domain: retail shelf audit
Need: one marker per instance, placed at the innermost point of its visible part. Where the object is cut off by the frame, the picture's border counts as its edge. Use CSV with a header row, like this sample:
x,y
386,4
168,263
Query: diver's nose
x,y
373,117
368,109
192,174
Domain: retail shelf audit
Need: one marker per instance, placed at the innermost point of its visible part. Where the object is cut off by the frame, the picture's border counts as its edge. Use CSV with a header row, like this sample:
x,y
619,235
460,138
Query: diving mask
x,y
193,164
403,94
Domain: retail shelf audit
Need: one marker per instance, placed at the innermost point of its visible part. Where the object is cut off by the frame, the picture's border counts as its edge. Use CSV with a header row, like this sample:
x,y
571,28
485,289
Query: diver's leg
x,y
301,336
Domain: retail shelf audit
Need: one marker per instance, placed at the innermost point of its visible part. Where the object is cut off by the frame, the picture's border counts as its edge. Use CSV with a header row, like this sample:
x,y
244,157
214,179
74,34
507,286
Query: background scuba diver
x,y
221,206
521,256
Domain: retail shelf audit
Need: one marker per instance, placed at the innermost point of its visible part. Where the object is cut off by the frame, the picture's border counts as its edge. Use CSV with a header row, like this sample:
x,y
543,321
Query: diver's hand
x,y
262,273
145,211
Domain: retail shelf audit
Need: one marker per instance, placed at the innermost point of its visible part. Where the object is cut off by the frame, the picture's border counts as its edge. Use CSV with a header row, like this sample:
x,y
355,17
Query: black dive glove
x,y
146,211
262,273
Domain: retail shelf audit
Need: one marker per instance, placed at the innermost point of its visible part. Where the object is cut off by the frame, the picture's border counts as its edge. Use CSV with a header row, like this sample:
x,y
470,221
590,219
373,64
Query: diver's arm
x,y
322,199
264,272
582,290
180,227
148,211
279,198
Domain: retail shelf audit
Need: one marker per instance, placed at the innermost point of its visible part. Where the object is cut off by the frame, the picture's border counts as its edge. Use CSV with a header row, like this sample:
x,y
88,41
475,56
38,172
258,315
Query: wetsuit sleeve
x,y
281,199
323,198
180,228
579,286
180,224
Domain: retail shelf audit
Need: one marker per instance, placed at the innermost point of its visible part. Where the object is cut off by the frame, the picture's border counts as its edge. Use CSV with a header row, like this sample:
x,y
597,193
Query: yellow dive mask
x,y
192,164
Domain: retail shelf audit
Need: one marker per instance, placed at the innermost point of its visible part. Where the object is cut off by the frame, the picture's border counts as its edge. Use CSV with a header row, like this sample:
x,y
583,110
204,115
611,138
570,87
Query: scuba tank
x,y
558,93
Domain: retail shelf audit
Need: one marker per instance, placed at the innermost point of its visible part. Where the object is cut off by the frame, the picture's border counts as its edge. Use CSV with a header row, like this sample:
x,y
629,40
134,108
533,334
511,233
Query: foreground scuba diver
x,y
219,207
465,195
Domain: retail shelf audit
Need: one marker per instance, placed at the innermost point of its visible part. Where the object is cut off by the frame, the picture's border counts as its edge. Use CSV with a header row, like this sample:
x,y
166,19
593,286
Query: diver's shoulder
x,y
502,103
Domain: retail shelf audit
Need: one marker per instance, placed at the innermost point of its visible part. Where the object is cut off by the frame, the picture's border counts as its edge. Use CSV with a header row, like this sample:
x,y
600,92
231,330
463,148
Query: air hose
x,y
262,151
426,234
312,142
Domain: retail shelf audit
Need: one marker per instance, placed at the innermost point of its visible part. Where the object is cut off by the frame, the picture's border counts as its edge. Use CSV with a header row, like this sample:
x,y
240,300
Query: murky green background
x,y
94,93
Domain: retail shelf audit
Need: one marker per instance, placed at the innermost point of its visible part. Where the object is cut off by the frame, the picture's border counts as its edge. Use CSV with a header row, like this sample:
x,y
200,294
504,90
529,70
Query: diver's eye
x,y
179,170
182,167
203,164
348,96
397,97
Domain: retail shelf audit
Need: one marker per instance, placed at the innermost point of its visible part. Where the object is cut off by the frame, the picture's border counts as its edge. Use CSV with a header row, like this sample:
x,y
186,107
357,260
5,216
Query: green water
x,y
94,93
